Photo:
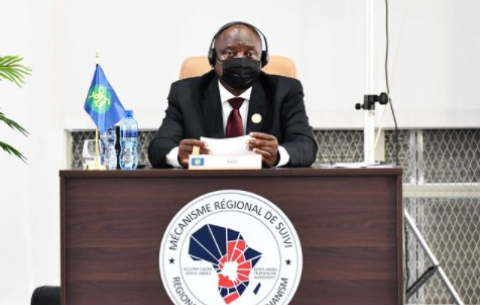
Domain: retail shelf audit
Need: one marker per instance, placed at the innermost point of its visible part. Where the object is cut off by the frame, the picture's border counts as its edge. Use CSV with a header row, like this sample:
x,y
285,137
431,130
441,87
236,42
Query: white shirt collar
x,y
225,95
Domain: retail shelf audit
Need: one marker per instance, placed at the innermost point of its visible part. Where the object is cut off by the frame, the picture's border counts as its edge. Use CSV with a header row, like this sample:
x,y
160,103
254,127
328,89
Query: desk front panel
x,y
349,225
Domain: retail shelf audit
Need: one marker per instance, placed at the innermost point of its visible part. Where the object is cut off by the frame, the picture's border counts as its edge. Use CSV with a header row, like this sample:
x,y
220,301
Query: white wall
x,y
434,72
29,193
433,57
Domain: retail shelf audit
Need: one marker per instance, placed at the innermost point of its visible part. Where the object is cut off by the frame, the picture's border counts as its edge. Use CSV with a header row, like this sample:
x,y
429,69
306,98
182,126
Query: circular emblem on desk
x,y
230,247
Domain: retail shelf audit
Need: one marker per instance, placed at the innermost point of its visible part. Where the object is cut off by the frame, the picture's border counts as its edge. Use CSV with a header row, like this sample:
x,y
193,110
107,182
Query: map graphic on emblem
x,y
230,256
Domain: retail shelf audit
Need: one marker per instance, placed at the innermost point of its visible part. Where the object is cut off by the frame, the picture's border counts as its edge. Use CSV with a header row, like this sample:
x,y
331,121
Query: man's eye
x,y
229,54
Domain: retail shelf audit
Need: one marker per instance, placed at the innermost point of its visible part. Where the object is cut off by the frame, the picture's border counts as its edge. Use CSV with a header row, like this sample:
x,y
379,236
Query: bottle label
x,y
129,133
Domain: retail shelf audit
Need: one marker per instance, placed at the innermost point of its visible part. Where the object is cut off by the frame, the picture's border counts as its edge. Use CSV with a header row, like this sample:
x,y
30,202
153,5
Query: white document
x,y
362,165
229,146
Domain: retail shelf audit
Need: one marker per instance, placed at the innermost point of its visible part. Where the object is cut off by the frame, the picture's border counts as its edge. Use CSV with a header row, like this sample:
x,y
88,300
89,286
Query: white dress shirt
x,y
225,95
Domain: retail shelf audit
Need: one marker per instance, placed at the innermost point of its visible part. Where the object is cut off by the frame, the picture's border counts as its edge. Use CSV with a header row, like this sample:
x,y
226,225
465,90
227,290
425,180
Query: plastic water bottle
x,y
109,139
128,142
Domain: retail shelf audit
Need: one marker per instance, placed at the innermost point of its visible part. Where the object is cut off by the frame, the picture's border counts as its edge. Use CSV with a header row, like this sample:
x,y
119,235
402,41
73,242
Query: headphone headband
x,y
212,53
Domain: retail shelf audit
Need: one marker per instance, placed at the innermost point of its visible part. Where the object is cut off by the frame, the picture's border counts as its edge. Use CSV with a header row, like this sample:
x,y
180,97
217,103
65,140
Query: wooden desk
x,y
350,224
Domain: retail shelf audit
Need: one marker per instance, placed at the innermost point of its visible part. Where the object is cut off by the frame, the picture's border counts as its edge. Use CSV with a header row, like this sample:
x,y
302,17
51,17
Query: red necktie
x,y
234,122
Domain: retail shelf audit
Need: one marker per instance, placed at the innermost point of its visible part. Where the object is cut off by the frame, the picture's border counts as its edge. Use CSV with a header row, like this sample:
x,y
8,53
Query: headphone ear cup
x,y
264,59
211,57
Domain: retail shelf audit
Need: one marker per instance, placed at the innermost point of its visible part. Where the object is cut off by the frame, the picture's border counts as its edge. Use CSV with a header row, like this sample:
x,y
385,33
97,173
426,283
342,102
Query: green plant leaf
x,y
9,60
11,70
12,124
12,151
6,76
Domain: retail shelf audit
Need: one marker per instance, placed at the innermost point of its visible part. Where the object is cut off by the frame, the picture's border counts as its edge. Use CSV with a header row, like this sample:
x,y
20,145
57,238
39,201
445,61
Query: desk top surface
x,y
274,172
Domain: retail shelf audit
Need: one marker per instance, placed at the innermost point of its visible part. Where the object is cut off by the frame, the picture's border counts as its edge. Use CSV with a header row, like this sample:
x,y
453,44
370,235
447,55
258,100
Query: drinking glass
x,y
88,155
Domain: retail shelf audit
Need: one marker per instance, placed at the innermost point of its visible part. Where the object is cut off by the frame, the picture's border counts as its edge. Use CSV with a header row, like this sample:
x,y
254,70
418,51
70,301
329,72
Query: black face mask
x,y
240,73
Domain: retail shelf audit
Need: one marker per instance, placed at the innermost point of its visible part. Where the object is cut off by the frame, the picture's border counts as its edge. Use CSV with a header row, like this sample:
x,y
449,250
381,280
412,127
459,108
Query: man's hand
x,y
265,145
185,149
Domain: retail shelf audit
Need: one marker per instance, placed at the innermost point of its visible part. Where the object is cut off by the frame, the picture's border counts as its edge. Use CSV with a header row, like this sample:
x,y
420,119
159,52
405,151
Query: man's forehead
x,y
238,33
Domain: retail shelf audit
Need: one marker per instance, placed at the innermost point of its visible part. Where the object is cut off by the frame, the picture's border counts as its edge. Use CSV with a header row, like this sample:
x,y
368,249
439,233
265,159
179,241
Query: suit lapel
x,y
212,110
257,109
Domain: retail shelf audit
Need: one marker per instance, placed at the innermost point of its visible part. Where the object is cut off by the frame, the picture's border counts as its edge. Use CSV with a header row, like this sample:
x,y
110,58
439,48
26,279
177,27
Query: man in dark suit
x,y
236,98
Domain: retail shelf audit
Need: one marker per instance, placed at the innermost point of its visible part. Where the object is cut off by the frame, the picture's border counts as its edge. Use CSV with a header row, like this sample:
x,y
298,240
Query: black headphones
x,y
212,53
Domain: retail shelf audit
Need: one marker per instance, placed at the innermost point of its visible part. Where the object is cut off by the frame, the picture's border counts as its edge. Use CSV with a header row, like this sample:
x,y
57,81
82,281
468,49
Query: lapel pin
x,y
256,118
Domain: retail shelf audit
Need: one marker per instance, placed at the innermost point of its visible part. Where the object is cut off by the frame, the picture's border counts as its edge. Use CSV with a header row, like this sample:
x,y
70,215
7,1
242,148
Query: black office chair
x,y
46,295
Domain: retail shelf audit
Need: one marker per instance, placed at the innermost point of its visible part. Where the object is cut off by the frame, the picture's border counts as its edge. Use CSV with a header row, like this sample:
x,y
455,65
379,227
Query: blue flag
x,y
102,103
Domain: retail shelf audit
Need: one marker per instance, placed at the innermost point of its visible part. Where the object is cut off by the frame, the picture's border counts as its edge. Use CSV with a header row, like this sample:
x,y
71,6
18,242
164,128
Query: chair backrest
x,y
277,65
46,295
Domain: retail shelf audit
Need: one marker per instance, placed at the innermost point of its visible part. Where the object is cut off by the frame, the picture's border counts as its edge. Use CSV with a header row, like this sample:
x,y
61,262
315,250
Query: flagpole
x,y
97,165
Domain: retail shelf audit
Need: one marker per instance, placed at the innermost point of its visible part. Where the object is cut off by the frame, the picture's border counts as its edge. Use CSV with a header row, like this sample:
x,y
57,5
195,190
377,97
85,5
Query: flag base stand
x,y
96,167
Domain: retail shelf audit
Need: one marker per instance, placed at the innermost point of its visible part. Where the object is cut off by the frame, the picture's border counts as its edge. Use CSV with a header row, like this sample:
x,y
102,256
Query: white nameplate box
x,y
252,161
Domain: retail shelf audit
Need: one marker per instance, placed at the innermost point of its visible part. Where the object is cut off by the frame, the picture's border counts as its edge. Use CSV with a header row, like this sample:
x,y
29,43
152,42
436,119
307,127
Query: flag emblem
x,y
99,99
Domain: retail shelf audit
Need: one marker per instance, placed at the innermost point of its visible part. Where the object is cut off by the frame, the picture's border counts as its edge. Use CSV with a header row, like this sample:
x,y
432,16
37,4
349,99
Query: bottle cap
x,y
129,112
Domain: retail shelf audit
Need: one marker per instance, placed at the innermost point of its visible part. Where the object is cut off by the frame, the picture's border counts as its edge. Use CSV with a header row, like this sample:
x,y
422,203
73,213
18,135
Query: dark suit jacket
x,y
195,110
